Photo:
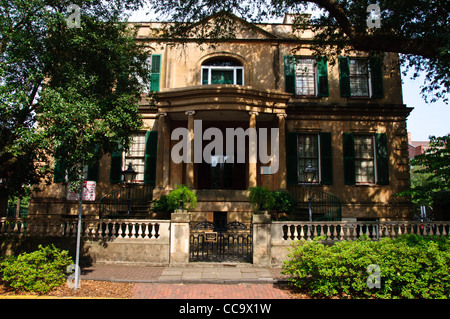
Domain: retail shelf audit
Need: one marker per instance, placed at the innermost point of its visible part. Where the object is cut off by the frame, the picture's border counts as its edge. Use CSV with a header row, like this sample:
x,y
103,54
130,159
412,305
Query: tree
x,y
431,172
67,93
419,30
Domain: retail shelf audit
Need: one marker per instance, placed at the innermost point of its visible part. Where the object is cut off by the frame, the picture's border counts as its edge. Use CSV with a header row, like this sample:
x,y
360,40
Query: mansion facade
x,y
347,119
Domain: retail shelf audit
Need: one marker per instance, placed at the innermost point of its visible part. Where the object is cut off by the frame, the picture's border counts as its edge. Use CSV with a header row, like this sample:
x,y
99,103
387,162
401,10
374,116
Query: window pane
x,y
222,76
359,77
136,155
308,150
305,76
239,80
364,159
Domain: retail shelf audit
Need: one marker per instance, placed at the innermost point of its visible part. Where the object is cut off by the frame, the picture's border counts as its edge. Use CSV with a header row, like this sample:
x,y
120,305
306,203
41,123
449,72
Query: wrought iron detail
x,y
204,225
236,226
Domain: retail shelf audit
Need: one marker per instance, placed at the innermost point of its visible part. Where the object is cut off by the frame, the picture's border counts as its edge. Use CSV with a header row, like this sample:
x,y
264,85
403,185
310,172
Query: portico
x,y
225,175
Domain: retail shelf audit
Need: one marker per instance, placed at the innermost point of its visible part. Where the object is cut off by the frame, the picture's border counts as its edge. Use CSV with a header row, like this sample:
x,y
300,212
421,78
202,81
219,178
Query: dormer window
x,y
222,71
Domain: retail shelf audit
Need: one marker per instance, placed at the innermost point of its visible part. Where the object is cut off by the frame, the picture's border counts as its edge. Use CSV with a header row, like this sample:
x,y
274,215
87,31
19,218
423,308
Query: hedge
x,y
410,266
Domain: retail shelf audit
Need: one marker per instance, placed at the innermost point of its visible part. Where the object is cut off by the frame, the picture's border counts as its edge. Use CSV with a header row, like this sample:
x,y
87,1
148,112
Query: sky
x,y
425,120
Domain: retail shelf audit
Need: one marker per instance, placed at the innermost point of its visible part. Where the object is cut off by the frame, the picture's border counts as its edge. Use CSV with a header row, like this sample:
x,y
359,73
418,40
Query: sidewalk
x,y
194,281
192,273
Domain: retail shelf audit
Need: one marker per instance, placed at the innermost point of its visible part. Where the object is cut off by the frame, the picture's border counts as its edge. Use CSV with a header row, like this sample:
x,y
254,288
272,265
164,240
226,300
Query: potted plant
x,y
181,199
261,198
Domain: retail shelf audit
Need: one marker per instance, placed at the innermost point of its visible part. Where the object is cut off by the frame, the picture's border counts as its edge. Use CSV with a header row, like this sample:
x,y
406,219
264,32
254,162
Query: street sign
x,y
88,191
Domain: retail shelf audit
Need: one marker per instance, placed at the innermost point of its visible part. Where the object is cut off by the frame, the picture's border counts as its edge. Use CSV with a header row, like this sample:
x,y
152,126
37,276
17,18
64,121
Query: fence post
x,y
179,237
262,227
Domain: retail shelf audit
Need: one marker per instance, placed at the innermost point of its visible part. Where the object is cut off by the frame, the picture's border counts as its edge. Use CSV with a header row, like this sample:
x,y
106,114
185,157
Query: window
x,y
308,150
222,71
366,159
360,77
304,147
136,155
306,76
142,156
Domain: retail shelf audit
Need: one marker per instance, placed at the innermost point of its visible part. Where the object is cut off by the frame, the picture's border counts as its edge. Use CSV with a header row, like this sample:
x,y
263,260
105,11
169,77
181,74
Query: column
x,y
282,151
160,151
190,164
252,151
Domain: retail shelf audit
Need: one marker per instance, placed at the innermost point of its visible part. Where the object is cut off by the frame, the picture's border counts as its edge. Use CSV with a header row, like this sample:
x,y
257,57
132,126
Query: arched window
x,y
222,71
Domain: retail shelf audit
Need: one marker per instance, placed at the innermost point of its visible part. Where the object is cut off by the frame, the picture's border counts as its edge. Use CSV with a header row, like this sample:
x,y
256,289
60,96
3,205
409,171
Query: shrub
x,y
261,198
39,271
181,192
410,267
283,202
161,205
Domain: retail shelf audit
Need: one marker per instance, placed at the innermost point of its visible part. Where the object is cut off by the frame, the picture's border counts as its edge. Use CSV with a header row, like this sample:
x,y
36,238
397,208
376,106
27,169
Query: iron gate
x,y
234,243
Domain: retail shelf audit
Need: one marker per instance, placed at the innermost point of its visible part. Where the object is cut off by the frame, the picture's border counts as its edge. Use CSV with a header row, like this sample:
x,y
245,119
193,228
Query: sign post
x,y
86,192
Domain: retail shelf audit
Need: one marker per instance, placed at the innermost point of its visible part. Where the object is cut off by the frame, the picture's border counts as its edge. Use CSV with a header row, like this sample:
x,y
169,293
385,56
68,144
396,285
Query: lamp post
x,y
129,176
309,174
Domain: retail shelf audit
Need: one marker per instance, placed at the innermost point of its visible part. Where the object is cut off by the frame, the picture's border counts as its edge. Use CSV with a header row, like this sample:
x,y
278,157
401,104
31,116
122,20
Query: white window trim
x,y
226,68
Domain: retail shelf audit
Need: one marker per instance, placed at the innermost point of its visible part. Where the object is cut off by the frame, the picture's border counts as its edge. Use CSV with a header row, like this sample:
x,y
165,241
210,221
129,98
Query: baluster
x,y
147,231
302,232
444,232
120,232
133,230
113,230
15,227
295,232
347,233
328,232
308,234
425,233
437,232
315,234
107,230
153,230
341,232
140,230
100,230
127,230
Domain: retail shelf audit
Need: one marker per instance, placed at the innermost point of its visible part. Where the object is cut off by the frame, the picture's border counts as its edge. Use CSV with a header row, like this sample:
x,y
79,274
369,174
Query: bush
x,y
283,202
161,205
181,192
411,266
39,271
261,198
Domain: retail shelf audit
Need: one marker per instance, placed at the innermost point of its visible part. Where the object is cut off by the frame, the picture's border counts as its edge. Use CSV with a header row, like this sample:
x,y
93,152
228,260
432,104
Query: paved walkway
x,y
194,281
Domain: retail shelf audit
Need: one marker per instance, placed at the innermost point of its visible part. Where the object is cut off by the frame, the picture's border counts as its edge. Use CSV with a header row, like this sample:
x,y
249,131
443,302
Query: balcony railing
x,y
127,202
325,207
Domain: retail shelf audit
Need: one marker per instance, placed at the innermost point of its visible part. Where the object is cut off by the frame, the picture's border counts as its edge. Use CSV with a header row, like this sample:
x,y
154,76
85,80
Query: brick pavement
x,y
193,282
208,291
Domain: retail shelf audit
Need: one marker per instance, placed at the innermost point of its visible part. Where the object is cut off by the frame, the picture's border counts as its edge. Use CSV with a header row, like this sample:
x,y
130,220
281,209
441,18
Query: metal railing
x,y
325,207
127,202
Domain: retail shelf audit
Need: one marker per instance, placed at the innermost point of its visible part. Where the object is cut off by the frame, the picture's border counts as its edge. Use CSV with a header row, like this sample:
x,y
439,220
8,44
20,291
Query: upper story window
x,y
306,76
222,71
360,77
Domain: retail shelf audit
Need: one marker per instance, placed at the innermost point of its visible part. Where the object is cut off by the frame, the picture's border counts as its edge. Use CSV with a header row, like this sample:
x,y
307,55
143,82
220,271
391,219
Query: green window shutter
x,y
322,77
326,160
59,171
382,159
205,75
289,73
344,76
376,77
349,158
292,158
155,72
116,165
150,157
